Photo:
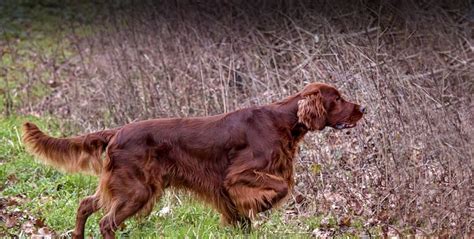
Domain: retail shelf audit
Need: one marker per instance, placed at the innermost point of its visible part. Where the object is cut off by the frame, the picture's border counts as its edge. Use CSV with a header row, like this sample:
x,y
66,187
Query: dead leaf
x,y
11,221
317,233
3,203
12,178
299,198
12,202
345,221
43,233
28,227
39,222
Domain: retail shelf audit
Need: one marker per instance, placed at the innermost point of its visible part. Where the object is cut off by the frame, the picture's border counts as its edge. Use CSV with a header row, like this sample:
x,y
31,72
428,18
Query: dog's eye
x,y
338,98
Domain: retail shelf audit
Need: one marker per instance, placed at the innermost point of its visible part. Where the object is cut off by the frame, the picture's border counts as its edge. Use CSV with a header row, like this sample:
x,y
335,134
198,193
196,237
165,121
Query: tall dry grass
x,y
407,168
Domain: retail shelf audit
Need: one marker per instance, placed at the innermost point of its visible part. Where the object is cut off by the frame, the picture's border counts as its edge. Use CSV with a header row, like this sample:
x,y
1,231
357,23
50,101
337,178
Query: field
x,y
406,170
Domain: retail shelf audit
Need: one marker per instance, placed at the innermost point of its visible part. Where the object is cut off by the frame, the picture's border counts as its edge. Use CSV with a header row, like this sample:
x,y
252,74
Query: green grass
x,y
47,194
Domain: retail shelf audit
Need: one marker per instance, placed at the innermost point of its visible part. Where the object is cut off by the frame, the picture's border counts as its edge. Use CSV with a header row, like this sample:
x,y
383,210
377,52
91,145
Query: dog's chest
x,y
282,164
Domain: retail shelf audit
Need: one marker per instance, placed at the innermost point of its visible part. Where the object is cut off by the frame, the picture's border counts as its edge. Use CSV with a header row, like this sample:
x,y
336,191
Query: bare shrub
x,y
407,168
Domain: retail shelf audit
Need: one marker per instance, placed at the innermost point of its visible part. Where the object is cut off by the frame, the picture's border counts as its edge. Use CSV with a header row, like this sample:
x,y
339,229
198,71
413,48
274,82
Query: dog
x,y
240,162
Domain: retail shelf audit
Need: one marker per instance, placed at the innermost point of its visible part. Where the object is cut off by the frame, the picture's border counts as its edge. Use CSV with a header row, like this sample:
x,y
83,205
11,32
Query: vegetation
x,y
407,170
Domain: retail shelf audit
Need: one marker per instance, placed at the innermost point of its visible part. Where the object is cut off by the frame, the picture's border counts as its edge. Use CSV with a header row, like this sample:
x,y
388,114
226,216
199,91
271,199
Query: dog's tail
x,y
73,154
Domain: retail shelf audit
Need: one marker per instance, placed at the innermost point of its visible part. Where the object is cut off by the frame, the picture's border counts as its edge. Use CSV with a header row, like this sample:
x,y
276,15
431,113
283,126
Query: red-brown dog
x,y
240,162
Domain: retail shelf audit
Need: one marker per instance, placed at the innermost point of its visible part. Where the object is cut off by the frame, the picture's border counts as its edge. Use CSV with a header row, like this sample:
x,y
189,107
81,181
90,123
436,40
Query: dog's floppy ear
x,y
311,111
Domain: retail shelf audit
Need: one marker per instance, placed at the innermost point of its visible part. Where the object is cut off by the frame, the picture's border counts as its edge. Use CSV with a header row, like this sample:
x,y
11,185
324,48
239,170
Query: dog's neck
x,y
287,110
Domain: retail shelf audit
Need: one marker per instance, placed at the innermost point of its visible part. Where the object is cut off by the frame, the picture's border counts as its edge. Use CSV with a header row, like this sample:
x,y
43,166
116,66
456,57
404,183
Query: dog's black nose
x,y
362,109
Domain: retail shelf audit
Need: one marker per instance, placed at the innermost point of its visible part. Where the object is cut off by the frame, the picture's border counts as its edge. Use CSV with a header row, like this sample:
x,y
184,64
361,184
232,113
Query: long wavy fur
x,y
311,111
73,154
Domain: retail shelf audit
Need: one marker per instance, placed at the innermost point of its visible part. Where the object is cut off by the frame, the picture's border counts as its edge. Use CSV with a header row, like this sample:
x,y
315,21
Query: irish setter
x,y
241,162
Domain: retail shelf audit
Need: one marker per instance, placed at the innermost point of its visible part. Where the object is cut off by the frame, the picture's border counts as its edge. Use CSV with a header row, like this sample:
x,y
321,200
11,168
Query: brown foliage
x,y
410,62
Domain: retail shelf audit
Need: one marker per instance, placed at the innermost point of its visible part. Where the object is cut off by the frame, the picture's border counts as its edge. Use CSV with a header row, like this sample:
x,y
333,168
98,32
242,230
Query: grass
x,y
42,195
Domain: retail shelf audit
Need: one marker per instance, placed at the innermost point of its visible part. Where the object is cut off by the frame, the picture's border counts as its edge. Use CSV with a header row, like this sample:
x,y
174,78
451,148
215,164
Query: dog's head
x,y
322,105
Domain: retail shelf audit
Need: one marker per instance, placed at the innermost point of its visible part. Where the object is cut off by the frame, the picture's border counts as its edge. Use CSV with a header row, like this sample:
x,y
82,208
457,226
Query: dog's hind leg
x,y
128,196
124,207
87,206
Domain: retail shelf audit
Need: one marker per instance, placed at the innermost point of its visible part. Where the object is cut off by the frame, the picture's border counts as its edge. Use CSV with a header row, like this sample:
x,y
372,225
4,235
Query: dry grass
x,y
408,168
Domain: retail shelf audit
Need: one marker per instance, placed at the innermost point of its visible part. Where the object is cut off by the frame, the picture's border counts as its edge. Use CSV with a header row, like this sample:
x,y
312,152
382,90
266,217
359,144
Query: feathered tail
x,y
73,154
